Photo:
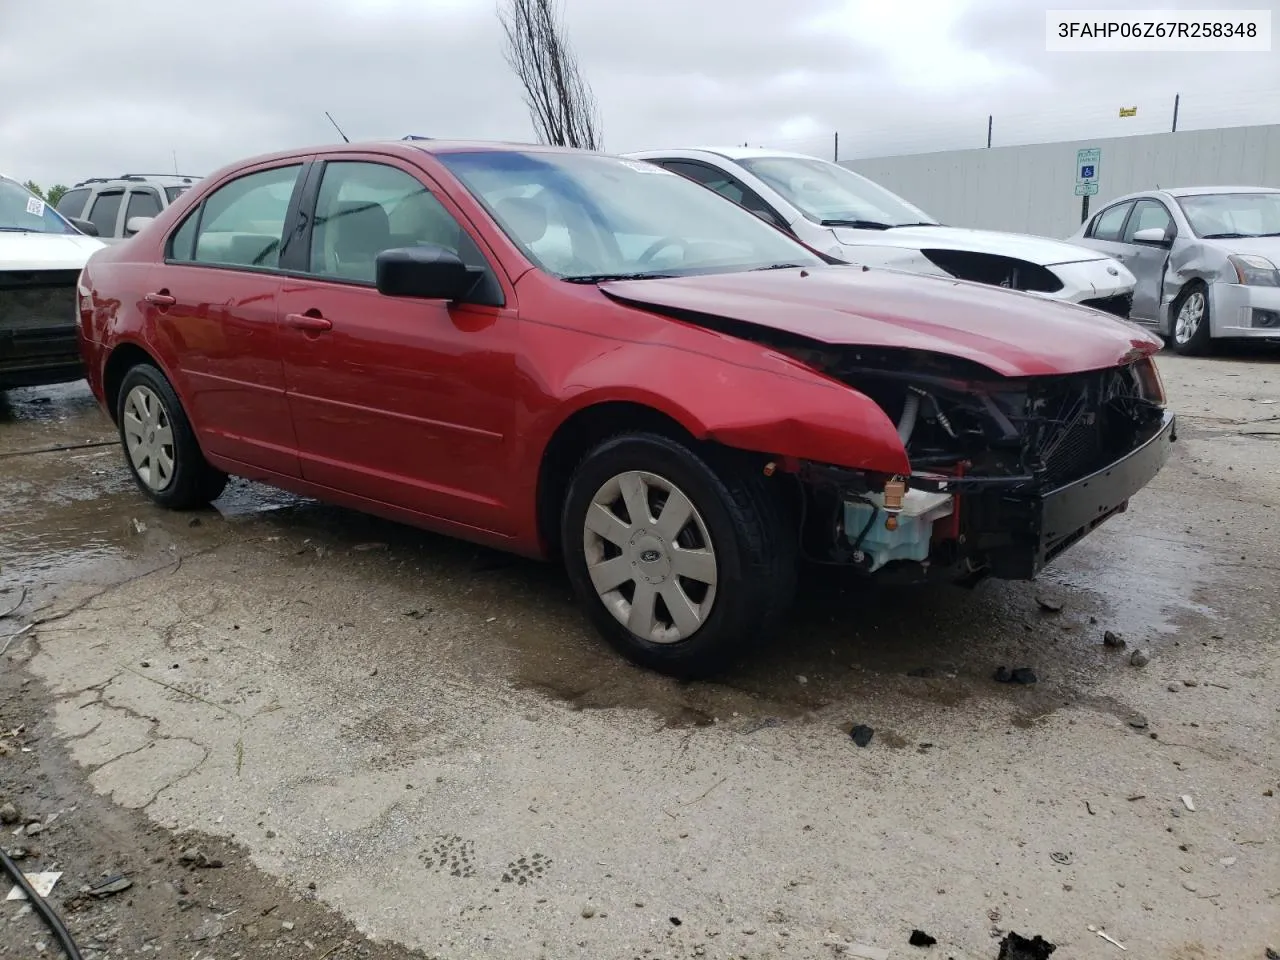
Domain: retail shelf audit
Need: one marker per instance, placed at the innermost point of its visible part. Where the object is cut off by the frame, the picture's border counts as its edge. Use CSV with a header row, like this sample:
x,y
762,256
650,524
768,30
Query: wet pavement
x,y
429,732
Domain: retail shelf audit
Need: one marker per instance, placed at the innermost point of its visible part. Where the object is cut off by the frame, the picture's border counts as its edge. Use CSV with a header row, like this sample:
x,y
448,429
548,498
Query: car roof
x,y
1176,192
729,153
164,179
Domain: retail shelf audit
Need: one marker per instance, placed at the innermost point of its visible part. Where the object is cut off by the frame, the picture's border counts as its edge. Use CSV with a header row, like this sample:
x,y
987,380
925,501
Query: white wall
x,y
1030,188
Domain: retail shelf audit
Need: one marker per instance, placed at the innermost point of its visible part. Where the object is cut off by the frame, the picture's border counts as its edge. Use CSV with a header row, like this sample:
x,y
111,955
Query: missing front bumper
x,y
1043,527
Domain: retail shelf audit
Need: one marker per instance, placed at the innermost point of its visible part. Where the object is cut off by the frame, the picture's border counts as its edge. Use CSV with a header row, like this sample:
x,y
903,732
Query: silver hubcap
x,y
148,437
650,557
1189,317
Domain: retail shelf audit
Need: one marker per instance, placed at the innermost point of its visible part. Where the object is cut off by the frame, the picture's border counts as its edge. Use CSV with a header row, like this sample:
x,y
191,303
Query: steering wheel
x,y
658,246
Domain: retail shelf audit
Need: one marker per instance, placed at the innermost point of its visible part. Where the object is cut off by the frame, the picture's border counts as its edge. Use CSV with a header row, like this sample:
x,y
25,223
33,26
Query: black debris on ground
x,y
1016,947
921,939
861,734
1023,675
1112,639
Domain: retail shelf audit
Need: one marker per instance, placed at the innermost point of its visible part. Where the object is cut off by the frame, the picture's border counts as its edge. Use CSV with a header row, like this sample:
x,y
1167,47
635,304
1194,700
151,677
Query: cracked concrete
x,y
405,728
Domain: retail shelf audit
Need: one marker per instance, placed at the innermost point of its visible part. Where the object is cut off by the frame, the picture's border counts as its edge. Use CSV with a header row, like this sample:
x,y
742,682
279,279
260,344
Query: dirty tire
x,y
1199,342
192,482
751,537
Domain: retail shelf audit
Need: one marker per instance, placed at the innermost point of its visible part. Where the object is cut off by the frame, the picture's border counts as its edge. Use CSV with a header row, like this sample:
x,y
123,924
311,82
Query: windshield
x,y
833,196
1225,215
588,217
21,211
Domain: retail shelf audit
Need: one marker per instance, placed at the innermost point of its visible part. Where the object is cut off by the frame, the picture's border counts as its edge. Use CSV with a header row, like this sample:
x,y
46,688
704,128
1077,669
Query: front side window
x,y
834,196
142,203
726,186
241,223
1147,214
1233,215
105,211
587,217
364,208
1110,222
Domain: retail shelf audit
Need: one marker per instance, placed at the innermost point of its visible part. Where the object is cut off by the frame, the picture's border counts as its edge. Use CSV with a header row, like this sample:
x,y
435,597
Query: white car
x,y
851,218
41,256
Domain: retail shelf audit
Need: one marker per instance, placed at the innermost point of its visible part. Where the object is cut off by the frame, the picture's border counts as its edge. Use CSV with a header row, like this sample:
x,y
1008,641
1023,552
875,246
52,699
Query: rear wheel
x,y
159,445
1191,332
684,561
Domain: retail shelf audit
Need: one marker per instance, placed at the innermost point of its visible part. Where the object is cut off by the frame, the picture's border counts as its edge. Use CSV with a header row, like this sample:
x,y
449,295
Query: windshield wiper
x,y
606,277
1228,236
922,223
778,266
17,230
856,224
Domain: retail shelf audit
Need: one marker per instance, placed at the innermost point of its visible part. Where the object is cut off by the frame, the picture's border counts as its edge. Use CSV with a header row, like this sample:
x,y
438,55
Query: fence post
x,y
835,150
989,118
1176,98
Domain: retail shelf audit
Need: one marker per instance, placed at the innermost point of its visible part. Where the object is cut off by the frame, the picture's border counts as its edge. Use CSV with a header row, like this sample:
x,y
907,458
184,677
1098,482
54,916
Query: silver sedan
x,y
1207,261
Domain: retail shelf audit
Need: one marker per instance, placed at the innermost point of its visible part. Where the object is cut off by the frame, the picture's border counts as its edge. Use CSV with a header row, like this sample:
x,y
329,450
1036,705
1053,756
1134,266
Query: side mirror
x,y
134,224
1155,236
84,226
427,272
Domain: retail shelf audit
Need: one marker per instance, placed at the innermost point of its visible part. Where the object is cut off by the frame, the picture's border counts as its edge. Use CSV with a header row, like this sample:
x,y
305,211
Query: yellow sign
x,y
1128,111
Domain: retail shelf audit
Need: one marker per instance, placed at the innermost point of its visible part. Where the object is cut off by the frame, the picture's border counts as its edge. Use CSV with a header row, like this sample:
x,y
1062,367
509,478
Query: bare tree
x,y
562,106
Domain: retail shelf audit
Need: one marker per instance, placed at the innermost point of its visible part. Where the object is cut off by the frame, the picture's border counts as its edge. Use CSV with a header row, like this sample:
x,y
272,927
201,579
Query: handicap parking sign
x,y
1086,172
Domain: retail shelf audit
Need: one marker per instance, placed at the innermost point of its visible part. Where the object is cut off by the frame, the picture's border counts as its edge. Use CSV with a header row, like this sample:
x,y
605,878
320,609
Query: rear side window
x,y
173,193
1109,222
241,223
105,210
72,203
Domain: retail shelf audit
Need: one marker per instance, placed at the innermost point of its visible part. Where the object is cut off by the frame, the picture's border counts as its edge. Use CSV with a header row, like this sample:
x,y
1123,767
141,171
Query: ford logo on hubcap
x,y
650,556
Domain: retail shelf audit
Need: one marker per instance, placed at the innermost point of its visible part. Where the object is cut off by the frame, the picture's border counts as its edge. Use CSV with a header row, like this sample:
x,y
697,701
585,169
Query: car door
x,y
727,185
215,311
1147,260
403,401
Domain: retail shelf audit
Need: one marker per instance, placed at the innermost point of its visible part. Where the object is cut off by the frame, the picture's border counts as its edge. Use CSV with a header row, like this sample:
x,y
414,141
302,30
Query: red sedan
x,y
568,354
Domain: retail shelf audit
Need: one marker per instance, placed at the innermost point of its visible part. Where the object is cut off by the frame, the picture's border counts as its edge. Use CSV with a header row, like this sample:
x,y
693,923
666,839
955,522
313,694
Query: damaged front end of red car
x,y
1005,473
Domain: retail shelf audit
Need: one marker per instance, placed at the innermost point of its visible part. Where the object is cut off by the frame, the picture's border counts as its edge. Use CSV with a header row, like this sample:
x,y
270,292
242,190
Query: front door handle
x,y
308,321
161,299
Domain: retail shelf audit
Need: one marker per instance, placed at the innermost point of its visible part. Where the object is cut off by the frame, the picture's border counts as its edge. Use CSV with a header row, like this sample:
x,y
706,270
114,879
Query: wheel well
x,y
123,358
571,442
1177,299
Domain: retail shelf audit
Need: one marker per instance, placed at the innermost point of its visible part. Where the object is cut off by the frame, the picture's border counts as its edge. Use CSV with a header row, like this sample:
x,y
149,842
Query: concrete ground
x,y
425,739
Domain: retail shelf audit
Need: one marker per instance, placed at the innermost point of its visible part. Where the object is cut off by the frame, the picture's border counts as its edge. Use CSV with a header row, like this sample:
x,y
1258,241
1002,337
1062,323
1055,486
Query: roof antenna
x,y
336,127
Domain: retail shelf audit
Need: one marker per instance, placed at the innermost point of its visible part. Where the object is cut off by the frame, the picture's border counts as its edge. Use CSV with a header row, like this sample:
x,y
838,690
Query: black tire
x,y
751,532
1201,341
192,483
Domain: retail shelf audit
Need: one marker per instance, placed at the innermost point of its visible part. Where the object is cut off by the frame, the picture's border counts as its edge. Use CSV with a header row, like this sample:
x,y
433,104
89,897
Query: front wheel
x,y
160,447
682,566
1191,332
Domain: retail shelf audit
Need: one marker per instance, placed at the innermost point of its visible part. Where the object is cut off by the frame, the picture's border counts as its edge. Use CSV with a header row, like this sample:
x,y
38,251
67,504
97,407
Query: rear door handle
x,y
161,299
307,321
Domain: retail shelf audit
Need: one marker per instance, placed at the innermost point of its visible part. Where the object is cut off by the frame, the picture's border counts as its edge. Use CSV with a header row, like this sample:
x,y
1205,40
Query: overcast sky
x,y
103,88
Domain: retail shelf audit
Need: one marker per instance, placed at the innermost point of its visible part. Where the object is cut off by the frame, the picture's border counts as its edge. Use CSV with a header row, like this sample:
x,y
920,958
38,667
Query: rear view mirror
x,y
134,224
84,226
1155,236
427,271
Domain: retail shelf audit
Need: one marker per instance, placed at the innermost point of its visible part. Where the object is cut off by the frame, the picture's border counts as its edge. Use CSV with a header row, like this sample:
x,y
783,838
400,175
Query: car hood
x,y
1268,247
46,251
1024,246
1011,333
